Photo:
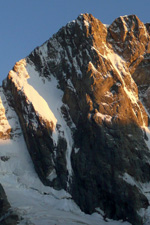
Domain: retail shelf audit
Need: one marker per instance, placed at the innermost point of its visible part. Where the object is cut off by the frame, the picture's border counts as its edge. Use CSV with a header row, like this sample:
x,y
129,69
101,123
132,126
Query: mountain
x,y
80,105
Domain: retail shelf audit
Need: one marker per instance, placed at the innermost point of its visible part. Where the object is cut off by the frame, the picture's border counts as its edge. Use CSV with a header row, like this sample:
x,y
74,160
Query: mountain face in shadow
x,y
82,99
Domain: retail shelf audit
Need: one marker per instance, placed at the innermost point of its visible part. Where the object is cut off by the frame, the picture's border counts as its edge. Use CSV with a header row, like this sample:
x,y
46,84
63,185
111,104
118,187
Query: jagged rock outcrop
x,y
4,205
80,112
130,38
6,216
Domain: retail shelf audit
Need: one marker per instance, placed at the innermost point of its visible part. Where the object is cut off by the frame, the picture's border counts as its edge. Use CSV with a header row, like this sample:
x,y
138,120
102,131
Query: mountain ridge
x,y
83,122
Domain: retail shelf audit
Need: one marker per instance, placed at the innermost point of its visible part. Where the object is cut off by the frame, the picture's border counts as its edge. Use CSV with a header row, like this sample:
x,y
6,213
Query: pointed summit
x,y
77,99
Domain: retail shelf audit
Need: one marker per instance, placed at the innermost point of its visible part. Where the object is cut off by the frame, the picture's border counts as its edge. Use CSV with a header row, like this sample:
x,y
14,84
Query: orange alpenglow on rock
x,y
82,99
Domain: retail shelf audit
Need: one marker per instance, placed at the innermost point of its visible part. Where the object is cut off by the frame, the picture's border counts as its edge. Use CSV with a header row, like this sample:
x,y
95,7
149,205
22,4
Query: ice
x,y
53,96
29,198
46,99
36,203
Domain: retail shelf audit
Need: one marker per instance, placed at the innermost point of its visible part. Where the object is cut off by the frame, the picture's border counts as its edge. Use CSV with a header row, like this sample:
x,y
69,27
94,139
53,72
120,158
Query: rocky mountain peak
x,y
77,99
129,37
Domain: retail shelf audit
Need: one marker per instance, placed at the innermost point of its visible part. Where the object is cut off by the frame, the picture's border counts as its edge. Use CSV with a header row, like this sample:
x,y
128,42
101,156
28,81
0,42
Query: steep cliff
x,y
7,215
85,127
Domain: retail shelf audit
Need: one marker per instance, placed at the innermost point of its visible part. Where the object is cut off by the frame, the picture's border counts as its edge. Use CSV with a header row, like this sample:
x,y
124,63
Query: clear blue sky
x,y
25,24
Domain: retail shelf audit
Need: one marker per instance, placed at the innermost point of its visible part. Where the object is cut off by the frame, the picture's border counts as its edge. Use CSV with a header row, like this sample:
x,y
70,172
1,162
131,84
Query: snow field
x,y
33,201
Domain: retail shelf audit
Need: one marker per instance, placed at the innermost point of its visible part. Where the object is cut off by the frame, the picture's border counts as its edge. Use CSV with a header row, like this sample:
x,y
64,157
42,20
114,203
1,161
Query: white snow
x,y
77,68
98,52
70,85
145,189
52,175
93,67
129,179
4,125
43,50
147,131
86,23
36,203
19,77
119,65
108,94
116,30
79,23
104,103
46,99
11,128
49,91
106,25
76,150
104,116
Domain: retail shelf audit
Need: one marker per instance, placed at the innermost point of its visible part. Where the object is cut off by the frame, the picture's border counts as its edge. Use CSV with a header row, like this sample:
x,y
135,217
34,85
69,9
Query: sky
x,y
27,24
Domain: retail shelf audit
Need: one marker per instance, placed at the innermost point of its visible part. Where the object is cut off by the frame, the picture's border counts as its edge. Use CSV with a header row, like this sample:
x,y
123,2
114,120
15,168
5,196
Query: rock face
x,y
4,205
77,100
7,216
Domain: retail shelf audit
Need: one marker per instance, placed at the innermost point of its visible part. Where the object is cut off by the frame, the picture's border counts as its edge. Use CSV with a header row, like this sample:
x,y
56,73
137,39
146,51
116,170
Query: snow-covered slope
x,y
29,198
81,119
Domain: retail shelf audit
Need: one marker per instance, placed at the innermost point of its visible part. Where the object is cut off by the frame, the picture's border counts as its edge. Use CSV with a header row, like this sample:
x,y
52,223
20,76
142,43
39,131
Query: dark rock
x,y
6,216
102,101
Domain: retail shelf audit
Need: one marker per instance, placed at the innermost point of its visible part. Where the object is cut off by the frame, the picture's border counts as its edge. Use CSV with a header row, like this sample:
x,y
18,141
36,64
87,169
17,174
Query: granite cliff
x,y
82,99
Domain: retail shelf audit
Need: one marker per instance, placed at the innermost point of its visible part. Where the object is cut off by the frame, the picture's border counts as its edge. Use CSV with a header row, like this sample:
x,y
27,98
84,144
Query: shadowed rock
x,y
94,67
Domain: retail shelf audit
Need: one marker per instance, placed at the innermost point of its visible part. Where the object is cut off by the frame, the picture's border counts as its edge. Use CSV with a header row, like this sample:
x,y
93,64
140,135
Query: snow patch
x,y
119,65
34,202
9,125
104,117
19,78
77,67
76,150
147,131
97,51
86,23
53,96
52,175
106,25
129,179
70,85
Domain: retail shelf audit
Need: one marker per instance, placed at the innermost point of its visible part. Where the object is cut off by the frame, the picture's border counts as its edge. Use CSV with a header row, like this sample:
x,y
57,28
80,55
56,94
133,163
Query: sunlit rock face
x,y
129,37
81,115
7,131
5,128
